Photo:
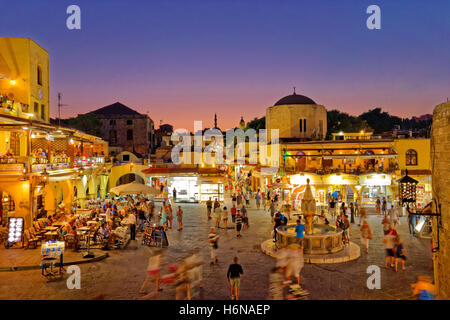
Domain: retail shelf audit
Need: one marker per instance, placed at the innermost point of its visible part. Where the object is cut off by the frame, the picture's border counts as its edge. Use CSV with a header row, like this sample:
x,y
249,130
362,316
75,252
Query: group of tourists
x,y
186,275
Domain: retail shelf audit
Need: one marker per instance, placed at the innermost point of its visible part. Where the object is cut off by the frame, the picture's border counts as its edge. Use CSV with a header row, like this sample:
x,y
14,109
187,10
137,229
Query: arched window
x,y
411,157
39,76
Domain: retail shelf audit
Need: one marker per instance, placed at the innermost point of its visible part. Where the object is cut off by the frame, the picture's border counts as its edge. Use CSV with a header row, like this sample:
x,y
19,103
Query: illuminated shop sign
x,y
15,230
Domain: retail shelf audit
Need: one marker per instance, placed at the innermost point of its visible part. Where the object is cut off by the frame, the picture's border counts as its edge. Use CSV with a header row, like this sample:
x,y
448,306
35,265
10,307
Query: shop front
x,y
211,187
186,187
373,187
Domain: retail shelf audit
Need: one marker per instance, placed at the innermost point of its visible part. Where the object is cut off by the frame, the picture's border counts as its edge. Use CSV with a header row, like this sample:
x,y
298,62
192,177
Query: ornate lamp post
x,y
407,190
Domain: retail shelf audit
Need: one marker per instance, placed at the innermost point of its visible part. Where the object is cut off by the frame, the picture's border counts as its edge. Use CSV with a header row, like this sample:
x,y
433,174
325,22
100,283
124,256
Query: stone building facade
x,y
297,116
440,161
126,129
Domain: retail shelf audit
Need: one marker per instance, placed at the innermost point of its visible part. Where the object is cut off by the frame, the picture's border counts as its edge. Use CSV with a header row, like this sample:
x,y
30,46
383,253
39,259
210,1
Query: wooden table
x,y
51,235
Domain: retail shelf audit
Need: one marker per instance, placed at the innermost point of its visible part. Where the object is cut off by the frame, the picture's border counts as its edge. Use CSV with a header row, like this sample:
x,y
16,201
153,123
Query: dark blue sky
x,y
184,60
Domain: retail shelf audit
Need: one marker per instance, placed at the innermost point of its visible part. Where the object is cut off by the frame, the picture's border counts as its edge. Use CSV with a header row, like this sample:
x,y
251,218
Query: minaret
x,y
215,120
242,123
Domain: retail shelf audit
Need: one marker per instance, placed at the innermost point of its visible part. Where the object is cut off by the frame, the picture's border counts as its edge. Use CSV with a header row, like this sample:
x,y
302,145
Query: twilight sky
x,y
184,60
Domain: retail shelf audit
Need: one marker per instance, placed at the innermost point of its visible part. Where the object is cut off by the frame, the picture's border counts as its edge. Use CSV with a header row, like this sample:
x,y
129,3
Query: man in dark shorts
x,y
238,222
234,278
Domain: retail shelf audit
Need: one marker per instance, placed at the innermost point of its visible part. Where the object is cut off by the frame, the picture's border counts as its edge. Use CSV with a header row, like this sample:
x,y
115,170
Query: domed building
x,y
297,116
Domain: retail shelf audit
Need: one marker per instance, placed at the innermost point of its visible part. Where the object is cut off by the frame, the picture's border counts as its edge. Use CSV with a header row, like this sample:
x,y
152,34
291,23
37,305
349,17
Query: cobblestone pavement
x,y
121,275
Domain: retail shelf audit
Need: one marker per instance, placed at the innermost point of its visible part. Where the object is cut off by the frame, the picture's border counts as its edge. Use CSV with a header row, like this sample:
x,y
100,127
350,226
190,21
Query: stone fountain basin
x,y
324,239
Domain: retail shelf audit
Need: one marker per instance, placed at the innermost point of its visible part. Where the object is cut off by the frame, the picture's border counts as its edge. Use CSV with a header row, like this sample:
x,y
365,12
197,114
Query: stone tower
x,y
440,162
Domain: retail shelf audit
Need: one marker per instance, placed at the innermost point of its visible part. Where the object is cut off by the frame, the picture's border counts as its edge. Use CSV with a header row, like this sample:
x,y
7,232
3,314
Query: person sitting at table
x,y
105,232
74,233
65,229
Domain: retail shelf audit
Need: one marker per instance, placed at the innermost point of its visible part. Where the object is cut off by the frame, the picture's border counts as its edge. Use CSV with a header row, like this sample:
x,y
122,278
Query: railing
x,y
88,162
357,171
12,164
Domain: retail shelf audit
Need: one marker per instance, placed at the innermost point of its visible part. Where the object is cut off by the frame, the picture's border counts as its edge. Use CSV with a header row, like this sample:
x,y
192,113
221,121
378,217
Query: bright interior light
x,y
12,82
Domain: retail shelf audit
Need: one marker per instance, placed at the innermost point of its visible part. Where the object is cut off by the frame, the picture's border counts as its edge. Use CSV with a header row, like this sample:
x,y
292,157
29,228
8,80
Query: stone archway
x,y
129,177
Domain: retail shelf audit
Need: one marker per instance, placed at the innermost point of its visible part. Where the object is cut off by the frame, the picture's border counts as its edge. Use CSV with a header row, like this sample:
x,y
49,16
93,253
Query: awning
x,y
378,156
340,156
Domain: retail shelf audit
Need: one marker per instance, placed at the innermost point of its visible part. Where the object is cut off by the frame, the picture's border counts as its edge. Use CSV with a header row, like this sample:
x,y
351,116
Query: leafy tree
x,y
256,123
87,123
380,121
341,121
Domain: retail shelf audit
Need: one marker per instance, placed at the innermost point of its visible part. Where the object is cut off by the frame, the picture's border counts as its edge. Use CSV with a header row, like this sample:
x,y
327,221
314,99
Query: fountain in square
x,y
321,244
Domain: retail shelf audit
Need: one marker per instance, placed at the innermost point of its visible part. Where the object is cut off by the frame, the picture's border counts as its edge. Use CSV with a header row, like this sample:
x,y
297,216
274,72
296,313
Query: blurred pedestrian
x,y
389,247
362,215
153,271
352,213
272,208
424,288
277,223
209,205
195,269
384,206
233,213
258,200
276,287
180,218
225,218
295,263
213,239
234,278
238,221
366,235
132,224
386,225
182,283
378,206
412,221
399,252
299,233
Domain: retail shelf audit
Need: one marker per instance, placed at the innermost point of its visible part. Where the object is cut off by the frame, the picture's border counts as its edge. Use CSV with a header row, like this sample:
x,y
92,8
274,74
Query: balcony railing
x,y
357,171
11,164
88,162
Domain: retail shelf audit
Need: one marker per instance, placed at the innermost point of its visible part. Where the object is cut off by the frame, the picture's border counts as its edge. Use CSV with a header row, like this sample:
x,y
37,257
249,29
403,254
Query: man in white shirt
x,y
132,223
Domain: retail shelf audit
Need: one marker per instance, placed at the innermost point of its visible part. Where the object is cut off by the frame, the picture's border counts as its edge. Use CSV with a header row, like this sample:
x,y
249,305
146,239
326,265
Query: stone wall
x,y
440,161
140,126
285,118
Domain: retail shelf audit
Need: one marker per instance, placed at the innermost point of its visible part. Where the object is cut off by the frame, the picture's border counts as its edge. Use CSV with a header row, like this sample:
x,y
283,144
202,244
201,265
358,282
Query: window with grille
x,y
411,157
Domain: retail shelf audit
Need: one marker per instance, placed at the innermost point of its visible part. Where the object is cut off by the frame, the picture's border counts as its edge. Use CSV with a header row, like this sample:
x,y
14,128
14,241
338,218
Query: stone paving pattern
x,y
121,275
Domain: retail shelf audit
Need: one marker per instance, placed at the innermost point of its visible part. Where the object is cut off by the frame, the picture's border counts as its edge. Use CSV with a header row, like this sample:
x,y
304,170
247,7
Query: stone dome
x,y
294,99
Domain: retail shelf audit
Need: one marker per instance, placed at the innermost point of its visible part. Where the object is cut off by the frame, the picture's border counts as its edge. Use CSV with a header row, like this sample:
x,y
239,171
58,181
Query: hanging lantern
x,y
407,190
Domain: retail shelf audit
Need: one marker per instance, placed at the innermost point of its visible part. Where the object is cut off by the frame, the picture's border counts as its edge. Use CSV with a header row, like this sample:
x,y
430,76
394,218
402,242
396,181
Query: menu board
x,y
15,230
52,248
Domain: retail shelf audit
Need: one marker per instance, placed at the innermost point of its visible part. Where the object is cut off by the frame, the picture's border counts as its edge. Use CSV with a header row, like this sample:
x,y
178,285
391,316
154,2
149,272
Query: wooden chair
x,y
34,234
39,229
30,241
70,241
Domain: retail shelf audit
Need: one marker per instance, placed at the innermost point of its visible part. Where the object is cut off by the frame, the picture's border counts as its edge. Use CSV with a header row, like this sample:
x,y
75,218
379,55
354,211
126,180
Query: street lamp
x,y
407,190
45,177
